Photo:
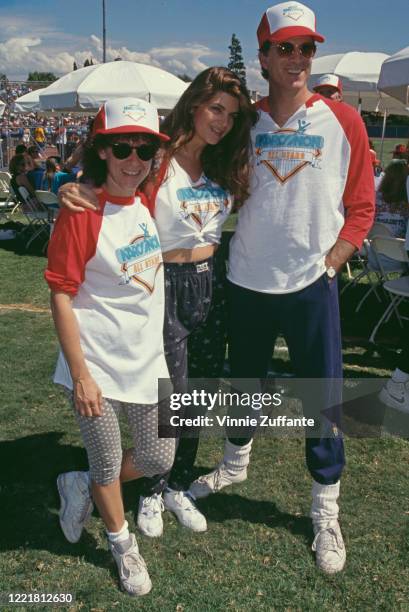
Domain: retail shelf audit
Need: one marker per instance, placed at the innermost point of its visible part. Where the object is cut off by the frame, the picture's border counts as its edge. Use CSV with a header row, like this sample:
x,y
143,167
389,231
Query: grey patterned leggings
x,y
102,440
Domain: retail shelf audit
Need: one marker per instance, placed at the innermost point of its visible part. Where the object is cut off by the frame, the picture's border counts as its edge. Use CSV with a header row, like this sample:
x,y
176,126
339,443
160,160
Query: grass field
x,y
256,553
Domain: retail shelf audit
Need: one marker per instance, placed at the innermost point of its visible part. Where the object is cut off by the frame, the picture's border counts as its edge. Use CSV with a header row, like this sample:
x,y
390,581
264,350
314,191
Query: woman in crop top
x,y
200,171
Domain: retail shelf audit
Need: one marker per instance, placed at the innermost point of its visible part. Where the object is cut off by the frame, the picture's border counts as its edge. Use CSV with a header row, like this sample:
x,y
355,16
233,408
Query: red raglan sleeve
x,y
72,245
359,193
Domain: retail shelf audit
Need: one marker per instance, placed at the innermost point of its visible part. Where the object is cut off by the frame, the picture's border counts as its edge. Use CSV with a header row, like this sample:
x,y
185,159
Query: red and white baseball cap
x,y
285,20
126,115
328,80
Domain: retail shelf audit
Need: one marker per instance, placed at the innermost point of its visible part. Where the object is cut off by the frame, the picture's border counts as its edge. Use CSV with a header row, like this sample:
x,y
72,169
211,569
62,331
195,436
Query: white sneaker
x,y
133,575
76,503
182,506
215,481
150,510
330,554
396,395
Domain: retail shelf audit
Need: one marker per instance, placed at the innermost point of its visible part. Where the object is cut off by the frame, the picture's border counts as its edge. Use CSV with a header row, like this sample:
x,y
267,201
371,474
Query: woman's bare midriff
x,y
189,255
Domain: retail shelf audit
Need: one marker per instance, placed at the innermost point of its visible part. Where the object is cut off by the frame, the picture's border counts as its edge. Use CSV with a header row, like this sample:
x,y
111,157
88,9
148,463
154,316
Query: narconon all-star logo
x,y
140,260
293,12
203,202
287,151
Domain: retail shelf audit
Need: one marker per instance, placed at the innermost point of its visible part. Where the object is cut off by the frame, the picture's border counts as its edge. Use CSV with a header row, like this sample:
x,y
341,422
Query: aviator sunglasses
x,y
286,49
122,150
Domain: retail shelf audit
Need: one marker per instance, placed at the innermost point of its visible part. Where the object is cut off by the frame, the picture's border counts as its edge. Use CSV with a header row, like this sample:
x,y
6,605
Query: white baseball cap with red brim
x,y
285,20
127,115
328,80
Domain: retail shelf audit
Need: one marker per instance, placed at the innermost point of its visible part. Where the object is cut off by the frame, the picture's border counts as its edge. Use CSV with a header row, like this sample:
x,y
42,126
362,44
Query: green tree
x,y
42,76
236,63
74,66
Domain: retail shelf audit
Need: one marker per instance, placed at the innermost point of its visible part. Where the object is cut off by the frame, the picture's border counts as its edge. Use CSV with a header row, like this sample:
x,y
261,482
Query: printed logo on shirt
x,y
202,203
140,260
286,152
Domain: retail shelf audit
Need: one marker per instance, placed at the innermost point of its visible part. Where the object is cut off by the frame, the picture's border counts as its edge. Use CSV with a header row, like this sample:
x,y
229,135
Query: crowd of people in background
x,y
36,128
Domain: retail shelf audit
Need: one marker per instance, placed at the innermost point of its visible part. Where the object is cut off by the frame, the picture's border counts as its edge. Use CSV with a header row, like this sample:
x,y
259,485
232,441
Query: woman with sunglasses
x,y
105,273
202,168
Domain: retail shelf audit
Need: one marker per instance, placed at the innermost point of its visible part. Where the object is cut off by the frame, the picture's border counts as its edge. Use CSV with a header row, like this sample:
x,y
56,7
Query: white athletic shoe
x,y
330,554
183,507
133,575
396,395
215,481
150,510
76,503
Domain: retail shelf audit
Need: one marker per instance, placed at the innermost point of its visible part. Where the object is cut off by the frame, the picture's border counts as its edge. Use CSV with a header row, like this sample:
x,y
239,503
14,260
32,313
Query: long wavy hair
x,y
227,162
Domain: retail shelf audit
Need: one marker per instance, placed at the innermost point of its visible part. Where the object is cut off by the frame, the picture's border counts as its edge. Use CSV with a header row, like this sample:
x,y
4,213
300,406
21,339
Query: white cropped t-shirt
x,y
188,213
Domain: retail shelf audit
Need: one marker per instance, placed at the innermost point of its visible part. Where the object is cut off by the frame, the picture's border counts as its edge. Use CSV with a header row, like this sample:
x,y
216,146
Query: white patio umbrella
x,y
2,108
87,88
359,73
394,76
29,103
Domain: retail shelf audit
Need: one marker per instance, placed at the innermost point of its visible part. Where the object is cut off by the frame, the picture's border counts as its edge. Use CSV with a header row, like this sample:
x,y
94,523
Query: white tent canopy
x,y
394,76
359,73
375,102
87,88
2,108
29,103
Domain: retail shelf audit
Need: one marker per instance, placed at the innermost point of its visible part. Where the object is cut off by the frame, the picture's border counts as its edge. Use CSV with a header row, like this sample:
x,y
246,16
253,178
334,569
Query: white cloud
x,y
21,55
254,79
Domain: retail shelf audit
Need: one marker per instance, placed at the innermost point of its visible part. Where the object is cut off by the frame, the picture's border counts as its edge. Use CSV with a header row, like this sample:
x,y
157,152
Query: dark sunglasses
x,y
145,152
286,49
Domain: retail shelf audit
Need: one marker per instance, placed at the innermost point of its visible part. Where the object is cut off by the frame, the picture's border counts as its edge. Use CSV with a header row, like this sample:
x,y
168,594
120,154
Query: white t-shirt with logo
x,y
188,213
312,182
110,262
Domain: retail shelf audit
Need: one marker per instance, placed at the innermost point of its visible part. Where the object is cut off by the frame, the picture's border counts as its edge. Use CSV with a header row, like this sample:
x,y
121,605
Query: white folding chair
x,y
8,201
378,229
48,198
395,249
39,218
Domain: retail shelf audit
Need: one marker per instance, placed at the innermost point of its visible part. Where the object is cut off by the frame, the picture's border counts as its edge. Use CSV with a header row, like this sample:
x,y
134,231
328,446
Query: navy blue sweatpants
x,y
310,322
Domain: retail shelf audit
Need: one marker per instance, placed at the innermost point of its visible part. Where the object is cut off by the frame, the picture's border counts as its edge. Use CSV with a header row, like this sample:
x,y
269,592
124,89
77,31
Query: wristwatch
x,y
331,272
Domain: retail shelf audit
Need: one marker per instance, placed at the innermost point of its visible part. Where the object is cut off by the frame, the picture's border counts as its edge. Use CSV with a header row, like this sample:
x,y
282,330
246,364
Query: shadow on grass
x,y
29,499
18,244
222,507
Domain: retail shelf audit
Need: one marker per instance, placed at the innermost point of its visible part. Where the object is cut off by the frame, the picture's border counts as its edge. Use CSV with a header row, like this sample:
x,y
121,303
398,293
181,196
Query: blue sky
x,y
178,35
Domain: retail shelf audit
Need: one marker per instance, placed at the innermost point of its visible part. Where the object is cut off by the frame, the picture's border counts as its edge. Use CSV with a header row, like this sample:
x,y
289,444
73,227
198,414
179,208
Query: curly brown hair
x,y
227,162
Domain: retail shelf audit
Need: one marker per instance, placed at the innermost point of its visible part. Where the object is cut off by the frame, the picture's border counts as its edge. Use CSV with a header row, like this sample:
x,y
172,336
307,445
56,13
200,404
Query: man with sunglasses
x,y
311,205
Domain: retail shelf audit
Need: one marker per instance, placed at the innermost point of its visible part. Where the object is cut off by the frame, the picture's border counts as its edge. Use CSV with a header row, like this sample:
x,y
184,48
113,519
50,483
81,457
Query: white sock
x,y
119,536
399,376
236,457
324,506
